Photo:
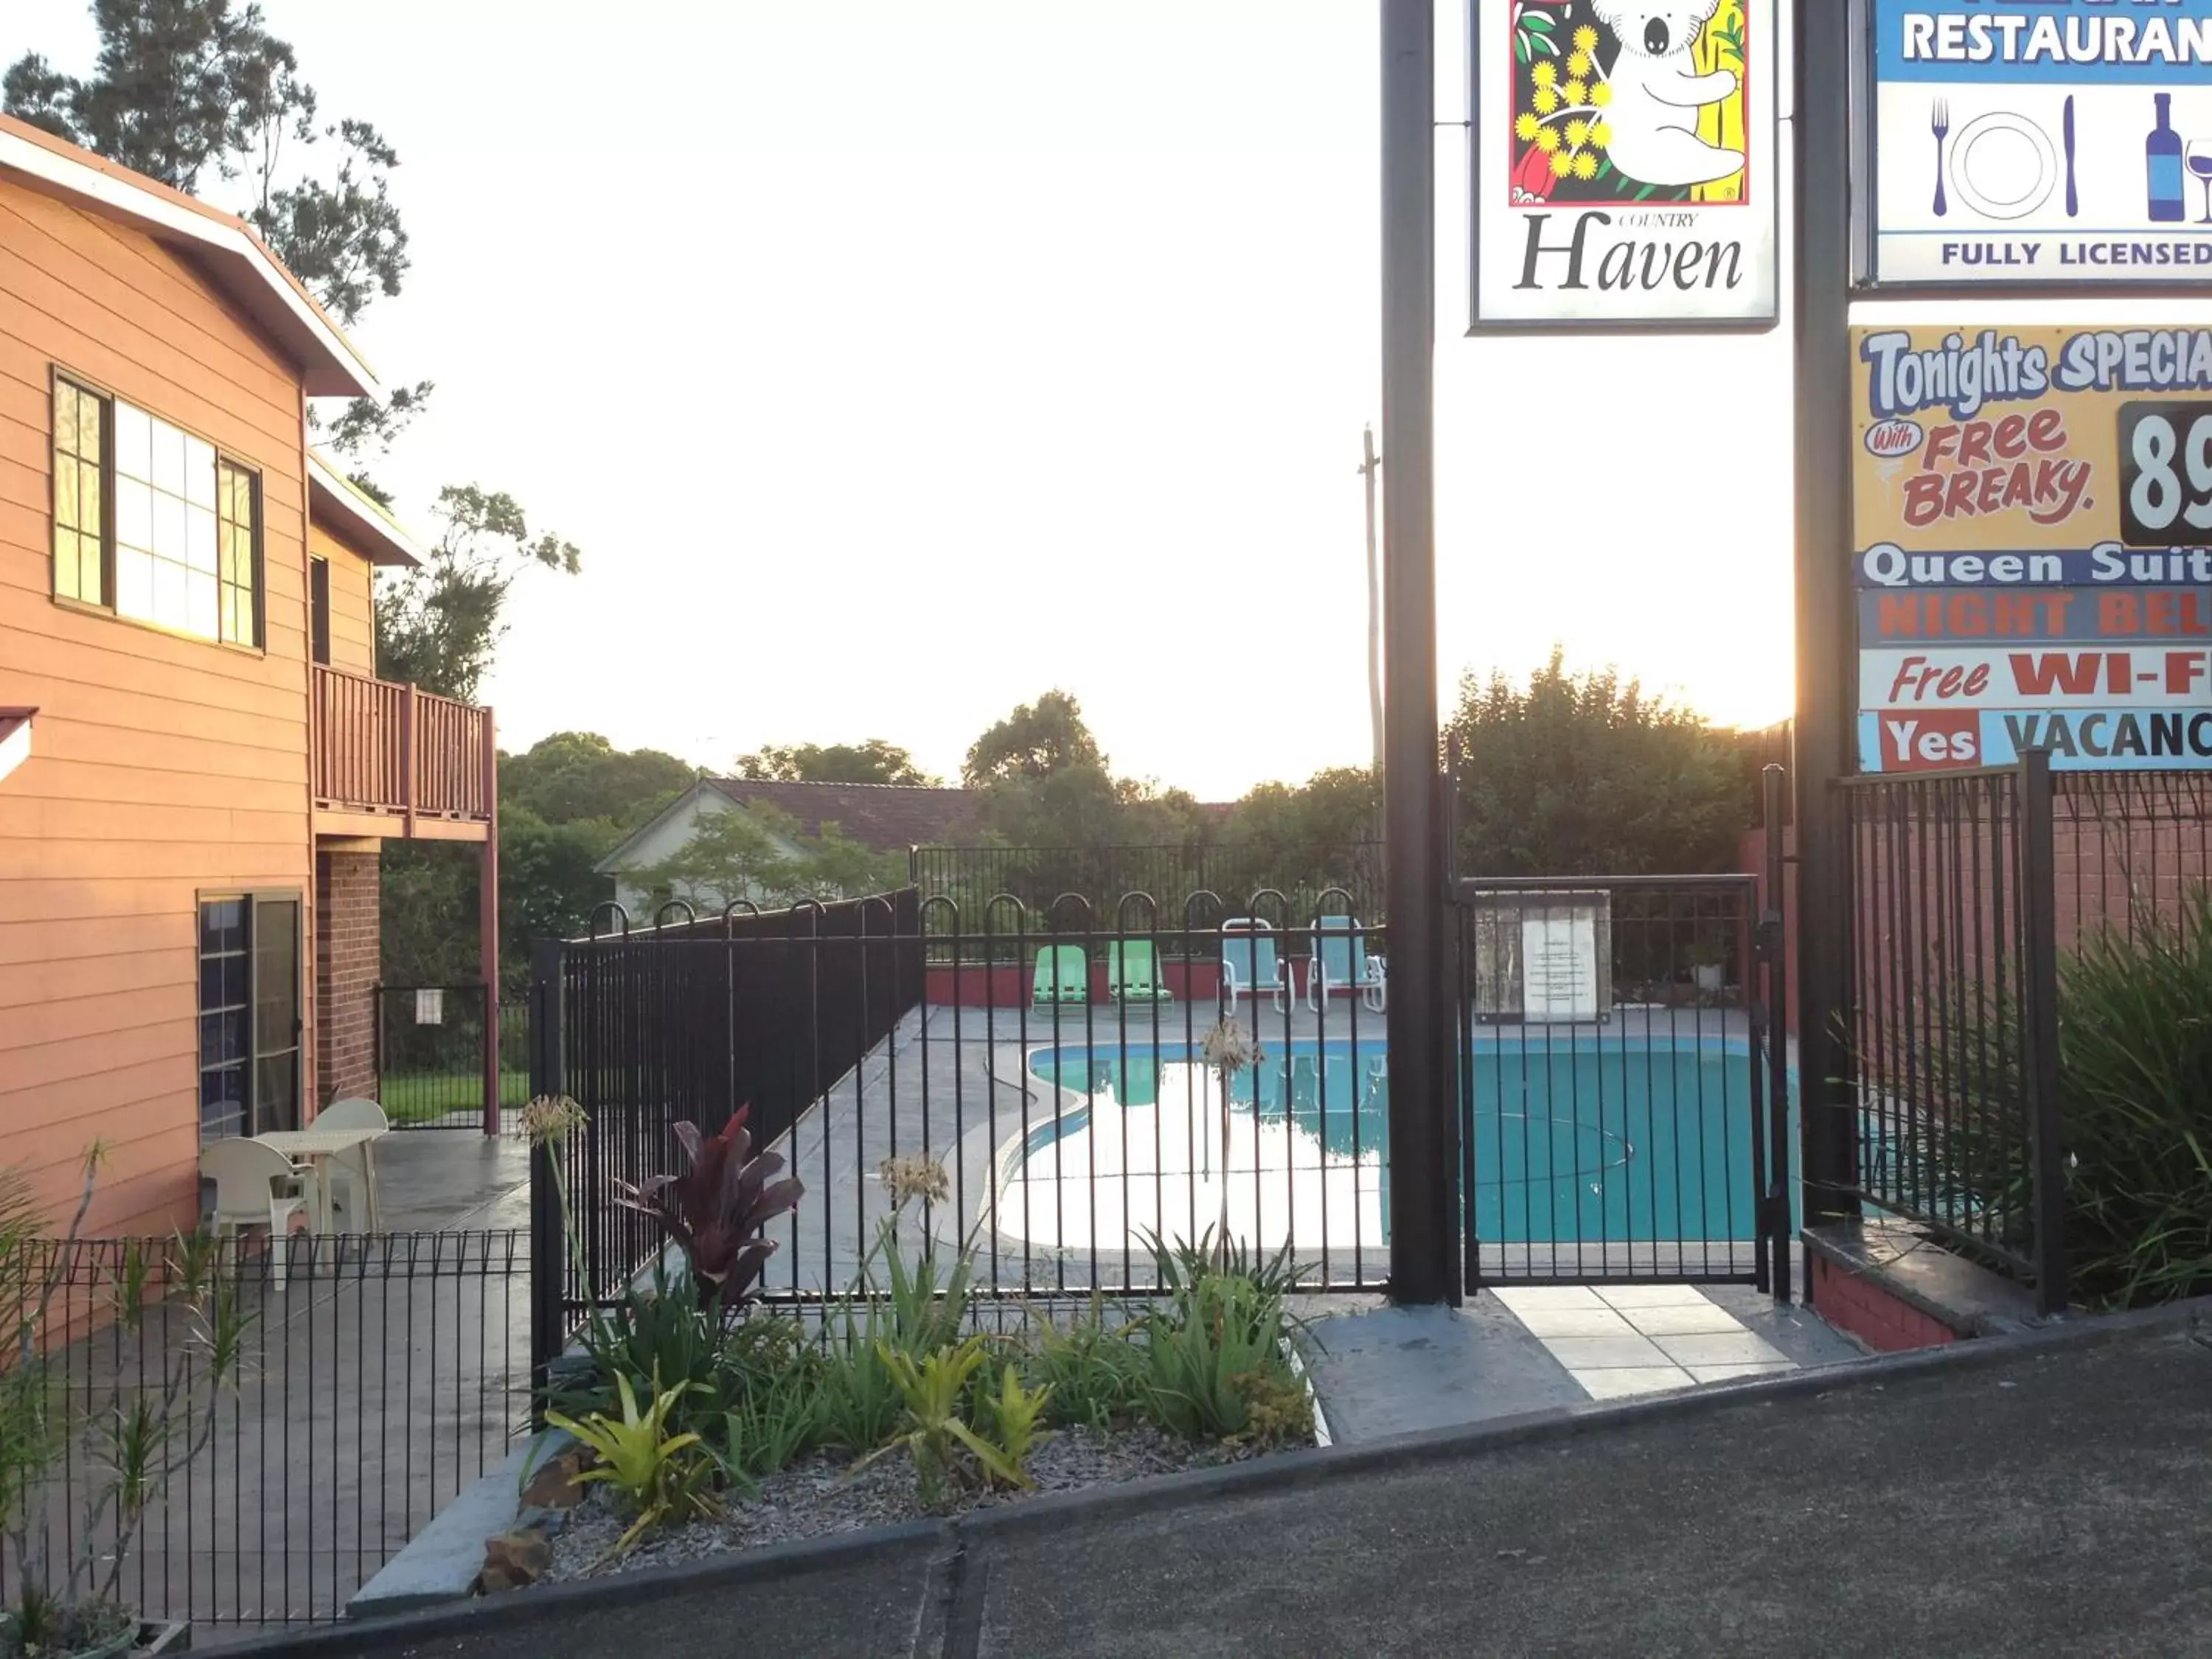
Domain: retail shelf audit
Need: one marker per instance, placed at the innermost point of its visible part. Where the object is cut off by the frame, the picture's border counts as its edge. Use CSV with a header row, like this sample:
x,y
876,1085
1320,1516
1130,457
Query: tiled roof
x,y
884,817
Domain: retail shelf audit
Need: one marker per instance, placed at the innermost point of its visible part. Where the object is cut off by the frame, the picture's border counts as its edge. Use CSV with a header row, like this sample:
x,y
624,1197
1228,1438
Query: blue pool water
x,y
1622,1138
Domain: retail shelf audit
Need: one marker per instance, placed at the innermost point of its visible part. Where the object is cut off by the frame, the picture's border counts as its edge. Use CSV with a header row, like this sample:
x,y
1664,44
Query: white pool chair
x,y
1249,964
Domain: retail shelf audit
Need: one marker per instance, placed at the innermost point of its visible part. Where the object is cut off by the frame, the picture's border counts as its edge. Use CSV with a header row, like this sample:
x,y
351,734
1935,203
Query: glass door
x,y
250,1025
276,1014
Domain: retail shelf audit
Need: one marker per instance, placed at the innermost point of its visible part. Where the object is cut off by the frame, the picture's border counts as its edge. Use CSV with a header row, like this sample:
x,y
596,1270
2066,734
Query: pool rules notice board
x,y
1623,164
2042,141
2032,546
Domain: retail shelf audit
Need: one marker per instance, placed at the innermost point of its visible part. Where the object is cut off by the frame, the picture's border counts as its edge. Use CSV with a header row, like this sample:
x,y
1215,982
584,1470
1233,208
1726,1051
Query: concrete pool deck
x,y
953,1085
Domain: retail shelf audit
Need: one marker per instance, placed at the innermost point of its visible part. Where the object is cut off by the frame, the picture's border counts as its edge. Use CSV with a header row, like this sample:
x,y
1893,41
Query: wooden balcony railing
x,y
391,749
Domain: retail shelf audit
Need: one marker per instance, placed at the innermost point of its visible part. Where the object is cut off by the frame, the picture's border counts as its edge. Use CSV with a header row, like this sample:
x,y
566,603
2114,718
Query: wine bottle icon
x,y
2162,156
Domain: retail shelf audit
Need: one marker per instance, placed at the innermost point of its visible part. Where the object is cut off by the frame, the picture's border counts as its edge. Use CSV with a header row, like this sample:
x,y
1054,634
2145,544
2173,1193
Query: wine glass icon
x,y
2200,163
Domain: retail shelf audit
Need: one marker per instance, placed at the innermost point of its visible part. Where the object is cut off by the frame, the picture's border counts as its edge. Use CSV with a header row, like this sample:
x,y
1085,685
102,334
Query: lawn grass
x,y
419,1097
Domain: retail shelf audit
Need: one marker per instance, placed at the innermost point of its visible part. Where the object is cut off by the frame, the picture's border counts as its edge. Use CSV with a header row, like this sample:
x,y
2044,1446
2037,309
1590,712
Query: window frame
x,y
60,375
252,898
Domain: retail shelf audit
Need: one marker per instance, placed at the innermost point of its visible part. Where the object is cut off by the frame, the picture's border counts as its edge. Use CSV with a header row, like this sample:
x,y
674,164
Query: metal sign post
x,y
1826,620
1423,1261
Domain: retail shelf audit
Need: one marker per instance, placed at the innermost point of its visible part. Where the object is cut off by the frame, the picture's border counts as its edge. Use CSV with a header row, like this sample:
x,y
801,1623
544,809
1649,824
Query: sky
x,y
892,361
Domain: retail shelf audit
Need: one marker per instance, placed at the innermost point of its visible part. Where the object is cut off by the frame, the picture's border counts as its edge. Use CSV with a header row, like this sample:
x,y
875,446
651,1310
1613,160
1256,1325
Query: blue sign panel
x,y
2043,141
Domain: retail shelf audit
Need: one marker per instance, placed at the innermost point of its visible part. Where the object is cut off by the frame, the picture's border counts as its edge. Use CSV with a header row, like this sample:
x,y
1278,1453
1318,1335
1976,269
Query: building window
x,y
239,559
249,957
80,495
319,611
153,523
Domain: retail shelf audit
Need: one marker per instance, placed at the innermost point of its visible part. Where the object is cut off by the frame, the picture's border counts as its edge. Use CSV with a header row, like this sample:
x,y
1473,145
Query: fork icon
x,y
1939,123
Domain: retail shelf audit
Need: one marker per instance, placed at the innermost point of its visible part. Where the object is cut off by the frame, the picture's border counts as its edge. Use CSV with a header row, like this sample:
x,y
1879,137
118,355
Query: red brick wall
x,y
2123,847
347,947
1879,1319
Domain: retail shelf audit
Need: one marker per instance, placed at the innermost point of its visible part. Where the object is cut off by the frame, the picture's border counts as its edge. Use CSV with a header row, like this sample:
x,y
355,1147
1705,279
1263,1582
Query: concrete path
x,y
1380,1371
2047,1496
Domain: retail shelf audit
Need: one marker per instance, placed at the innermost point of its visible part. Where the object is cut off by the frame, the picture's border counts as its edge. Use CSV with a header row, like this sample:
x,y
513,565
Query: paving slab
x,y
1396,1370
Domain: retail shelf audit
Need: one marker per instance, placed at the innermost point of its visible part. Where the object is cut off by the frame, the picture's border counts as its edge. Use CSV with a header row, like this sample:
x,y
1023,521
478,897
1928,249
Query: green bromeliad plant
x,y
933,1428
664,1475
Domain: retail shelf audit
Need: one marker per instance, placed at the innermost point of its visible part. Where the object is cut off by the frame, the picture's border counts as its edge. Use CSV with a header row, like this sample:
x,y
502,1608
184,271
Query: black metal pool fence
x,y
1953,1016
1169,873
1053,1068
1969,887
307,1427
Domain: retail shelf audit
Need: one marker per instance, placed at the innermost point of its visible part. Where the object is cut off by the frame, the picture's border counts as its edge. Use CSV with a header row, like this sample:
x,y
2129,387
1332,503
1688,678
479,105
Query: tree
x,y
549,885
574,777
1587,775
436,627
757,854
873,762
1035,741
184,89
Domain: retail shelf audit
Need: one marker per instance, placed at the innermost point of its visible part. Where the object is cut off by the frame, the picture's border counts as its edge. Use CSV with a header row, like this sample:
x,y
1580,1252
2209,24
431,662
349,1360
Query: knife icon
x,y
2073,197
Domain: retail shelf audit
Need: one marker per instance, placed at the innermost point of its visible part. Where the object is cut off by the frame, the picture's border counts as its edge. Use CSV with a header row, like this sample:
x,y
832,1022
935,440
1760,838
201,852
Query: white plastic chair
x,y
353,1174
256,1186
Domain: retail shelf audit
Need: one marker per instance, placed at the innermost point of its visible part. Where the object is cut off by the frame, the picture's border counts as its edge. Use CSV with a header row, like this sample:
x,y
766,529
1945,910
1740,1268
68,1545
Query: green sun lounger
x,y
1132,973
1063,975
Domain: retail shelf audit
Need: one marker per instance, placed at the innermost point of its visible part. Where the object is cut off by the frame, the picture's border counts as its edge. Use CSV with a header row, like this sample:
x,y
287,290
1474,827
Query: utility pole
x,y
1823,729
1369,464
1424,1259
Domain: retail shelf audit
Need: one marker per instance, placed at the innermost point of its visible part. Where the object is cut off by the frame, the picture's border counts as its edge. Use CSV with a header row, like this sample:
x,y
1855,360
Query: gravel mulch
x,y
815,1497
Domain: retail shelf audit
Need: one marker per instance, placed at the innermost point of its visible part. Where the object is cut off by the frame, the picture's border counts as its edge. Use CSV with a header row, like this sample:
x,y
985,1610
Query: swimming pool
x,y
1628,1138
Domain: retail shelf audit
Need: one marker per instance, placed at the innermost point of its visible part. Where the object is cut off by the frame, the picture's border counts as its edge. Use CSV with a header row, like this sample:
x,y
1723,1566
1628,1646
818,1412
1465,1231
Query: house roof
x,y
220,244
884,818
336,502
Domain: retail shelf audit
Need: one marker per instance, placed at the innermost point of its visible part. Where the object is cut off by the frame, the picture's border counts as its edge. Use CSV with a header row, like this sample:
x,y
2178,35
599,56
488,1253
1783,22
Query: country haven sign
x,y
1624,164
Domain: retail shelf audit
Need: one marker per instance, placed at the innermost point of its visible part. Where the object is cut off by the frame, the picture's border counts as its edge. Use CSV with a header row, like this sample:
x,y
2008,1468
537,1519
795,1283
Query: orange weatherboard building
x,y
198,765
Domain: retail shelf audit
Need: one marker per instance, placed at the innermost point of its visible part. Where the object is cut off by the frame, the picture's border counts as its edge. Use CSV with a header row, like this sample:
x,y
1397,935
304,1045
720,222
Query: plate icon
x,y
2004,166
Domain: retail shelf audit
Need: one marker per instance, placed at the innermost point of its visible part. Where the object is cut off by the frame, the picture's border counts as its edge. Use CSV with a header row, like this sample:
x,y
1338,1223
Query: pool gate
x,y
1625,1095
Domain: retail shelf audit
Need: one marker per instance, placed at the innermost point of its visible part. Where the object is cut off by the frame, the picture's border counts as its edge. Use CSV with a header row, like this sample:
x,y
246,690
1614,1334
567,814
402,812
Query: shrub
x,y
777,1408
1217,1371
1095,1375
650,1335
2135,1096
2134,1049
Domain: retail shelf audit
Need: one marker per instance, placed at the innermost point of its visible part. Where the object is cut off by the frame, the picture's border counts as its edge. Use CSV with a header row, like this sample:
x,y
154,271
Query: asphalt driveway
x,y
2051,1496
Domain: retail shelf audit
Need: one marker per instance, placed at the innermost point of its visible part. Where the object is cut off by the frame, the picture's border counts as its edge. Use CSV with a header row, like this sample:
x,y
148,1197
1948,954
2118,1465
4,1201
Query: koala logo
x,y
1657,93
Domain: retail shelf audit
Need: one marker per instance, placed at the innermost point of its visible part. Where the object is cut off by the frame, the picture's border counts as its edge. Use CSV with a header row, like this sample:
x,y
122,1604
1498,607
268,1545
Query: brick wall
x,y
347,947
1851,1301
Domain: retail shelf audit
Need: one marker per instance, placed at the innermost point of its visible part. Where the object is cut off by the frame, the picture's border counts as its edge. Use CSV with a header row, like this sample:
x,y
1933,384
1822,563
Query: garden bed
x,y
820,1496
704,1423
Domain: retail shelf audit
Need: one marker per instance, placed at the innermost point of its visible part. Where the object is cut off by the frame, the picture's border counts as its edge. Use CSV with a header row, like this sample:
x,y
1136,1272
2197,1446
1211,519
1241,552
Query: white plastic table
x,y
316,1148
